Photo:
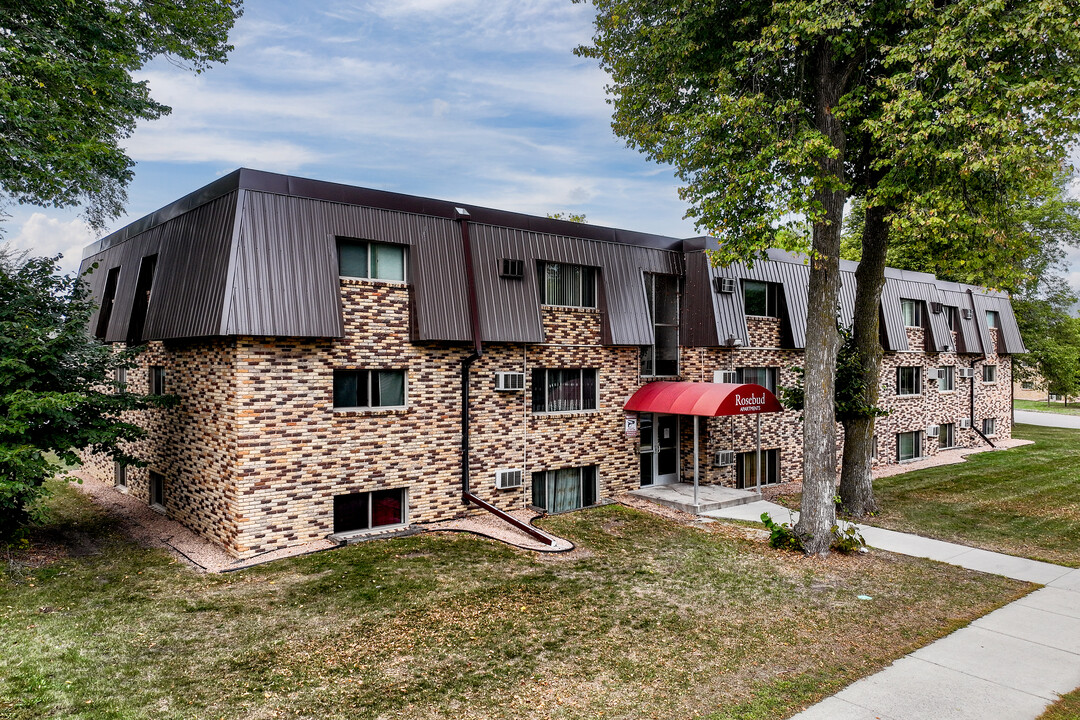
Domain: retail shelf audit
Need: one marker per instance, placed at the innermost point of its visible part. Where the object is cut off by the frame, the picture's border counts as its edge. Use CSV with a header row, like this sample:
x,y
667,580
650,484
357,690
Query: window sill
x,y
158,508
345,280
910,460
914,395
350,411
762,317
576,308
947,392
121,488
564,413
352,536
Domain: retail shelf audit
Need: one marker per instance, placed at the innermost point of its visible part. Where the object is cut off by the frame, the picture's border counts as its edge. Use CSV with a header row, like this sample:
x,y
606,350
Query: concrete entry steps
x,y
1008,665
710,497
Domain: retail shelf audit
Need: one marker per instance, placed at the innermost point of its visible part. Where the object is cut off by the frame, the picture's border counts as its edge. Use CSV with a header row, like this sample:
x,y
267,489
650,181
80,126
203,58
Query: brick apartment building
x,y
325,342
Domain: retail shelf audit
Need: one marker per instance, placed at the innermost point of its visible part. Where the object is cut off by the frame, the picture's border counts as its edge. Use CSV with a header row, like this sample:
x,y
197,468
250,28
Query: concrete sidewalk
x,y
1008,665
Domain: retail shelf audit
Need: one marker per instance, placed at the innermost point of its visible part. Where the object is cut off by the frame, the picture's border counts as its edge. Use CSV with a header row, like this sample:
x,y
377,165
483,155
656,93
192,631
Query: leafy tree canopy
x,y
67,97
57,388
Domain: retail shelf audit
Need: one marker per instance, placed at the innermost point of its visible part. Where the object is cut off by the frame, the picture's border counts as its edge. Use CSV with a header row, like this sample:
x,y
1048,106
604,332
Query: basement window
x,y
746,468
989,426
371,260
566,489
369,510
909,446
367,389
120,475
157,490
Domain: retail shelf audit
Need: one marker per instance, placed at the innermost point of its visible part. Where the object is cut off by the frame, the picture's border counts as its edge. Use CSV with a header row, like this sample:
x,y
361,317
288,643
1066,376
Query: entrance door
x,y
659,449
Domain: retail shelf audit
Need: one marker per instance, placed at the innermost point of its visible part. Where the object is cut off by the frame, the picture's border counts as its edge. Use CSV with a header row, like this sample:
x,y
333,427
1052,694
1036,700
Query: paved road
x,y
1047,419
1008,665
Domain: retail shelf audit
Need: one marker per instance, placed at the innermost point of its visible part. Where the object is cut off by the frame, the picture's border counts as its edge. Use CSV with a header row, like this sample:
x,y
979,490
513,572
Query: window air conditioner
x,y
967,313
724,285
506,479
965,423
723,458
965,372
724,376
509,381
932,430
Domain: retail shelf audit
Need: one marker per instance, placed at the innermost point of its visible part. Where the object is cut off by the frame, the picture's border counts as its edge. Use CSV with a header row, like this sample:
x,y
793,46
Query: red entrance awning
x,y
703,399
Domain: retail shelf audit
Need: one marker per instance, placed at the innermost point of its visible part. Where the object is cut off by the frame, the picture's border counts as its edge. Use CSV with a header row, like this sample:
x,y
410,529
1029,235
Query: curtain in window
x,y
386,506
564,390
588,389
391,387
388,262
569,285
567,495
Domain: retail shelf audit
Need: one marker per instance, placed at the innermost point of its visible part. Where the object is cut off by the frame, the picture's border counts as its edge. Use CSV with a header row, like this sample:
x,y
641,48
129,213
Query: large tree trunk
x,y
856,480
818,511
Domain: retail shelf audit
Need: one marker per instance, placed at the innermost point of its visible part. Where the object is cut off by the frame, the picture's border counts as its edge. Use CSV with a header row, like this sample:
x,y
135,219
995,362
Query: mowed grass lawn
x,y
1024,501
645,619
1043,406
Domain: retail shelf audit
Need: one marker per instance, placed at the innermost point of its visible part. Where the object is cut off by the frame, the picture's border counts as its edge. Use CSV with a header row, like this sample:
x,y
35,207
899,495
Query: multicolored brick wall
x,y
256,451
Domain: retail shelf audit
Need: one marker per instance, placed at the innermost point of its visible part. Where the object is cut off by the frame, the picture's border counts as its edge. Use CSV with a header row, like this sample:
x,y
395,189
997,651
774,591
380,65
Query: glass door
x,y
659,448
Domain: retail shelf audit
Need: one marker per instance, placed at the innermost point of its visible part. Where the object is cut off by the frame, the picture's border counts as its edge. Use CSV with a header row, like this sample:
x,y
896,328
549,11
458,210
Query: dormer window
x,y
371,260
761,298
567,285
911,310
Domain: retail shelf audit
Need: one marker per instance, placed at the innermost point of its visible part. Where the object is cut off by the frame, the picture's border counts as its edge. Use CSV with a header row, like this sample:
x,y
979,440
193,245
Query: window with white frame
x,y
567,285
989,426
946,435
761,298
355,512
989,373
908,380
157,380
661,359
763,376
746,468
947,378
565,489
366,389
909,445
911,310
563,390
371,260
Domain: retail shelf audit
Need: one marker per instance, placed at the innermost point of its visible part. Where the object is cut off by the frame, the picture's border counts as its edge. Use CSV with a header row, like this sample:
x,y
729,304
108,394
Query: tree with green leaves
x,y
746,100
1052,338
68,99
58,393
938,114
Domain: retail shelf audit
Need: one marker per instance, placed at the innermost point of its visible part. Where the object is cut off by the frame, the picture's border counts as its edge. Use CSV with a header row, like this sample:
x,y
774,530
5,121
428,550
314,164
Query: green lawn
x,y
1067,708
1043,406
1024,501
646,619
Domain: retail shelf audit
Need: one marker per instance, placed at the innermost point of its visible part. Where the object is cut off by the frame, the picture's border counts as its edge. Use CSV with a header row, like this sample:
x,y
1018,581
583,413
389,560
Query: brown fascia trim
x,y
260,181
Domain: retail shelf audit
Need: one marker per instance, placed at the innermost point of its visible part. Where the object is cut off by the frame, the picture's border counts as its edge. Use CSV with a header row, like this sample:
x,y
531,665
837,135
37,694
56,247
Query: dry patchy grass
x,y
646,619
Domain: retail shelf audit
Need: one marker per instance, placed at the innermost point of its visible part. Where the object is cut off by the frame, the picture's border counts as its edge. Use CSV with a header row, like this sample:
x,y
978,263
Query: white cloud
x,y
43,235
192,146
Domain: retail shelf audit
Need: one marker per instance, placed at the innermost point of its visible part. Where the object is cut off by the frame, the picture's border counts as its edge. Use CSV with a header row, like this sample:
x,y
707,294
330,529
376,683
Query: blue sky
x,y
481,102
477,101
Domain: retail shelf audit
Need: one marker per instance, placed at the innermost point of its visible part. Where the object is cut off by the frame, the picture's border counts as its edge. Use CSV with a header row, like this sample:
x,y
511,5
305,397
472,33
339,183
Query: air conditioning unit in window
x,y
967,313
724,376
509,381
506,479
965,423
932,430
723,458
936,308
512,268
724,285
965,372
